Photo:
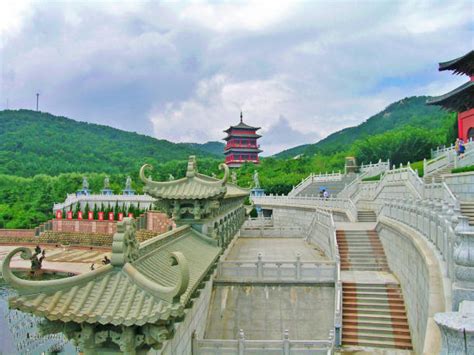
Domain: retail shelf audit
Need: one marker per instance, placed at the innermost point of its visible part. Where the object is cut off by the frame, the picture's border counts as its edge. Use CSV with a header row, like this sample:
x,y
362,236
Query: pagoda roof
x,y
143,284
241,125
461,65
243,150
460,99
192,186
241,135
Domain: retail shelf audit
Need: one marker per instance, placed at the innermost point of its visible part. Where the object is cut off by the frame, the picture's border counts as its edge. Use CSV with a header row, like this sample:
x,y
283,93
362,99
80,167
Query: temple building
x,y
460,99
152,297
242,146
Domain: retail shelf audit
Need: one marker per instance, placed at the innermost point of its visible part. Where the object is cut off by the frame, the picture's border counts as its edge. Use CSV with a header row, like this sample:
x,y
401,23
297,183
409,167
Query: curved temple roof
x,y
193,186
143,284
461,65
460,99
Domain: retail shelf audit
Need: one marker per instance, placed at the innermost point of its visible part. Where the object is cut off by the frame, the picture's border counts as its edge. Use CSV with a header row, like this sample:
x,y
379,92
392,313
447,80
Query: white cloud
x,y
183,71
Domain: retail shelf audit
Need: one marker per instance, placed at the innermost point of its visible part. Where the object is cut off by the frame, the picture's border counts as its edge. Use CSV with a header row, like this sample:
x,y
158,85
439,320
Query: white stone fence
x,y
448,157
376,168
433,219
108,201
276,271
241,346
315,178
443,150
341,204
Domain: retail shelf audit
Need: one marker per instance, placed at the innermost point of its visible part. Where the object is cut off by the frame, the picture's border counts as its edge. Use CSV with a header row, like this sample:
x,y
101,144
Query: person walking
x,y
462,149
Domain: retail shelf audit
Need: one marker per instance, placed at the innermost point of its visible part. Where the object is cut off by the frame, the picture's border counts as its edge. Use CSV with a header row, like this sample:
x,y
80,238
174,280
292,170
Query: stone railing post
x,y
241,342
457,330
286,342
463,257
259,266
298,266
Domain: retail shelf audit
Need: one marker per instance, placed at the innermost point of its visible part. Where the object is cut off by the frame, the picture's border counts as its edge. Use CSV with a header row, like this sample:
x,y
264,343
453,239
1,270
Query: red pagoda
x,y
241,144
460,99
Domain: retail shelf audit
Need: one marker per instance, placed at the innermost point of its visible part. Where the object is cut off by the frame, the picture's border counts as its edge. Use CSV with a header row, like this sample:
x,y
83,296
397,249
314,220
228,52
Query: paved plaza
x,y
274,249
265,312
73,260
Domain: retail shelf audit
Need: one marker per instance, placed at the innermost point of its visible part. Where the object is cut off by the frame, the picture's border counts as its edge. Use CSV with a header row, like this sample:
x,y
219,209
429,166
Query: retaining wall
x,y
415,264
194,324
462,185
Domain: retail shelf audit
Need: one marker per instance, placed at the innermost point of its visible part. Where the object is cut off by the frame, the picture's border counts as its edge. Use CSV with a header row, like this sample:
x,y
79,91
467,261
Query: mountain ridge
x,y
409,111
30,140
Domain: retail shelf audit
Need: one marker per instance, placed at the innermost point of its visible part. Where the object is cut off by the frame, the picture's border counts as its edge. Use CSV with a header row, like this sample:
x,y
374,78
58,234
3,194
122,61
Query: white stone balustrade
x,y
276,271
285,346
342,204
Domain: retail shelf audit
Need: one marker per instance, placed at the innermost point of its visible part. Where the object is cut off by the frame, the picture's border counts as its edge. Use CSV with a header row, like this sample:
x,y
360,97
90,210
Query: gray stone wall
x,y
194,322
462,185
409,263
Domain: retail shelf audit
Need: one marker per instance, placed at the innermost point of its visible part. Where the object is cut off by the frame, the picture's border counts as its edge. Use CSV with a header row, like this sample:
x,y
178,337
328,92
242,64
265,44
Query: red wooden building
x,y
460,99
241,144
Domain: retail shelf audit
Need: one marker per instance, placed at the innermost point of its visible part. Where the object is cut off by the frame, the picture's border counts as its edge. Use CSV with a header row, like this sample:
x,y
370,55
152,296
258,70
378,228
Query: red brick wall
x,y
17,233
158,222
84,226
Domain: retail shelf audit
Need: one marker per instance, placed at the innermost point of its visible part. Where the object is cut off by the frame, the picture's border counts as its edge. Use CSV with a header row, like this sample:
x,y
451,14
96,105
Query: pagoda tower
x,y
242,146
460,99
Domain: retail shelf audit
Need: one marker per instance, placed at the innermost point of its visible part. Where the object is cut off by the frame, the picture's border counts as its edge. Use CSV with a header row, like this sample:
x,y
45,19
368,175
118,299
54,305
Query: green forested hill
x,y
40,143
410,111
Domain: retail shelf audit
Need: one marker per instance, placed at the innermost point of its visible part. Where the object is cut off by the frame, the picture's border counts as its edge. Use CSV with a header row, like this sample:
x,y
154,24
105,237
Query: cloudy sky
x,y
182,71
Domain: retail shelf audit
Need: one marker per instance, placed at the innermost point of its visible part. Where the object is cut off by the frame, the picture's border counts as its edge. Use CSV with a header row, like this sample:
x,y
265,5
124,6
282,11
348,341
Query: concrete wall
x,y
462,185
415,264
194,322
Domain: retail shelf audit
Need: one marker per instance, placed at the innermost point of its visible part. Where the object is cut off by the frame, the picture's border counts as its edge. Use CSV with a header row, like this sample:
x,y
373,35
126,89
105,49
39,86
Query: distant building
x,y
241,144
460,99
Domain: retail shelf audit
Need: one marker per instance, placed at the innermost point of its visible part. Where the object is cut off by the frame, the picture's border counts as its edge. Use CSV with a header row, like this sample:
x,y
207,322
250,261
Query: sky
x,y
183,71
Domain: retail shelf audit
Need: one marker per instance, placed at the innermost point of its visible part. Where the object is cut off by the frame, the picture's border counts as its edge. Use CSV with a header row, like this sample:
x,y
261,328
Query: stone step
x,y
375,311
375,317
378,300
385,330
371,284
368,293
375,323
374,335
378,343
361,306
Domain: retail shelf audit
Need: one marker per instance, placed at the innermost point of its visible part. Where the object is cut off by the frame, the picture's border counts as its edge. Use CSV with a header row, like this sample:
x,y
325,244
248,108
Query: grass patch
x,y
464,169
372,178
418,165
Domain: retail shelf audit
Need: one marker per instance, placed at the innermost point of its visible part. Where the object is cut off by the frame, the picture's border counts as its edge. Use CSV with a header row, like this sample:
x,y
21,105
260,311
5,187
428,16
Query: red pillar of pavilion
x,y
242,146
460,99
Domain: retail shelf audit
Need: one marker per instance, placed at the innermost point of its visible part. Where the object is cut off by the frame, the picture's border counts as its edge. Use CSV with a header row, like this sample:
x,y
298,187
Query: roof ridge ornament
x,y
125,245
192,167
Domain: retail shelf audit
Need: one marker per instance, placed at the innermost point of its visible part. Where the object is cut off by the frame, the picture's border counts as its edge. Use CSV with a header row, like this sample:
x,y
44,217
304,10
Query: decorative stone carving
x,y
463,256
124,245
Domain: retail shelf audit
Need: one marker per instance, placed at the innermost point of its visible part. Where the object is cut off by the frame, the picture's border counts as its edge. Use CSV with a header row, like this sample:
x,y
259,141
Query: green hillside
x,y
40,143
410,111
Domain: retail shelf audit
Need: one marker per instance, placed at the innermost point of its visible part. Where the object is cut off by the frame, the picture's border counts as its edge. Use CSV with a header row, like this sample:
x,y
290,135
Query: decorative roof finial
x,y
241,116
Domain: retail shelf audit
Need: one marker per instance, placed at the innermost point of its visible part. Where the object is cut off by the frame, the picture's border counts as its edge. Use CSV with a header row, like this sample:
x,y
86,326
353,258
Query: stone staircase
x,y
366,216
314,189
437,174
361,250
467,209
374,316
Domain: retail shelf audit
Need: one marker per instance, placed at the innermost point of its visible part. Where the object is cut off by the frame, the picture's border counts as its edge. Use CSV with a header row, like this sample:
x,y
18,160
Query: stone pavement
x,y
265,312
274,249
70,259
